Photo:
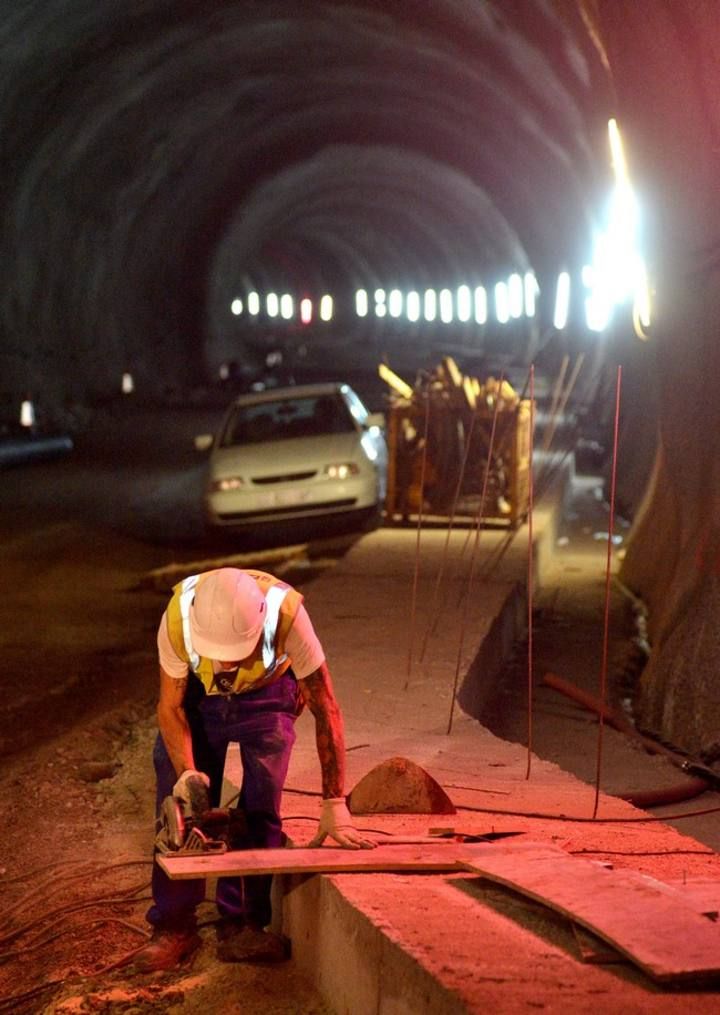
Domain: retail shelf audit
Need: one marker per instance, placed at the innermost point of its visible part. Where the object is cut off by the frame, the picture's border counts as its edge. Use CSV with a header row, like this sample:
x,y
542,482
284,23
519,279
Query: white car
x,y
299,452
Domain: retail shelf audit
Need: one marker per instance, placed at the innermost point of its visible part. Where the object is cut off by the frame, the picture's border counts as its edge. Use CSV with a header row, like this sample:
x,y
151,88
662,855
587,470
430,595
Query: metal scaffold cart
x,y
457,412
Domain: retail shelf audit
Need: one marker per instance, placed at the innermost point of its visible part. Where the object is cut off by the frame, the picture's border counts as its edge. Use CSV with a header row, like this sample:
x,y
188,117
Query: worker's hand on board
x,y
335,821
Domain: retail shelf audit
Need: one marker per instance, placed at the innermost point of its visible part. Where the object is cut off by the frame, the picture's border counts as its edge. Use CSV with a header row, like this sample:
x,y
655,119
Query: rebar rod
x,y
416,574
530,577
608,565
473,558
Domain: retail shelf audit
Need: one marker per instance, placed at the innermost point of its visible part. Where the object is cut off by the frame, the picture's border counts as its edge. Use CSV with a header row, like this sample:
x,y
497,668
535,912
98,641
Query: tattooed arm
x,y
335,819
173,723
318,693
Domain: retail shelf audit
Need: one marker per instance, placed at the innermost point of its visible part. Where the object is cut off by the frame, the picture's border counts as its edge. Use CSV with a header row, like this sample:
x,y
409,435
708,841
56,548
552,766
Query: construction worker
x,y
238,660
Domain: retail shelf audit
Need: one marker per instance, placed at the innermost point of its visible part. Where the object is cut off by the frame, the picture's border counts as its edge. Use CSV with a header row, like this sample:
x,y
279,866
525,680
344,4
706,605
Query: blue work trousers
x,y
262,722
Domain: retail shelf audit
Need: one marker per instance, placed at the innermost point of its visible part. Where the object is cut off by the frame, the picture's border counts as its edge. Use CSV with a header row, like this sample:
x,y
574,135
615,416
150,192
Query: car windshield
x,y
307,416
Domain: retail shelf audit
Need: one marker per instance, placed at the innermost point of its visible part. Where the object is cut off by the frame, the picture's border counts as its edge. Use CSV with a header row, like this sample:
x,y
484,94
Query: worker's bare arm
x,y
317,690
173,723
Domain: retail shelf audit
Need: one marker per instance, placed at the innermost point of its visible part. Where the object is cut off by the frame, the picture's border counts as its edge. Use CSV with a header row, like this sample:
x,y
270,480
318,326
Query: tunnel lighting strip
x,y
510,300
413,306
445,301
516,296
481,307
502,303
463,303
562,301
430,305
616,275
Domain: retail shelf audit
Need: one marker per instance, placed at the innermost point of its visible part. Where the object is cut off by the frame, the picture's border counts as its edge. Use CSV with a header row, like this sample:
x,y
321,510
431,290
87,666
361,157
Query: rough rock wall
x,y
667,83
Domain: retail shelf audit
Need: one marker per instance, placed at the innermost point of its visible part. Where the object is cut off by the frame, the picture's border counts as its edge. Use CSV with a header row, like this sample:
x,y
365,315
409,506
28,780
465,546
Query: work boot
x,y
237,943
166,949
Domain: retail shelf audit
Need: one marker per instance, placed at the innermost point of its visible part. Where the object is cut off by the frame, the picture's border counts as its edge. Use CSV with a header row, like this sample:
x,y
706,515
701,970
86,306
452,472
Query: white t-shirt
x,y
302,645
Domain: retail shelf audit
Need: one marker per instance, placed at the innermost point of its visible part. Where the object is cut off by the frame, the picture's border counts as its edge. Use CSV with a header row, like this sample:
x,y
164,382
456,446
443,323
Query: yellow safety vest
x,y
269,659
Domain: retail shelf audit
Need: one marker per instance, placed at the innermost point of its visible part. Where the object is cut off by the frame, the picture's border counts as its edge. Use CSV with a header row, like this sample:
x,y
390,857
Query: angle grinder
x,y
186,827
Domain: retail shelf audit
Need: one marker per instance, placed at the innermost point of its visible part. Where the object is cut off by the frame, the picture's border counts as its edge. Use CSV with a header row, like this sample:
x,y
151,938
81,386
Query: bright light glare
x,y
446,306
369,445
642,306
395,302
306,310
326,308
617,274
27,410
412,306
562,301
380,305
515,296
617,152
361,302
228,484
342,470
598,302
430,305
463,303
532,290
236,307
253,302
480,304
287,306
272,304
502,303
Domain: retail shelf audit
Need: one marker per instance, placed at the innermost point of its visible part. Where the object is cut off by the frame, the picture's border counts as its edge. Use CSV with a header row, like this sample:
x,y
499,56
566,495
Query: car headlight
x,y
224,485
342,470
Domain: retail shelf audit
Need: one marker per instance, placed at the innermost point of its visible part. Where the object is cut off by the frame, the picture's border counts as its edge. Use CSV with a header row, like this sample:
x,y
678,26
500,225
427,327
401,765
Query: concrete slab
x,y
392,944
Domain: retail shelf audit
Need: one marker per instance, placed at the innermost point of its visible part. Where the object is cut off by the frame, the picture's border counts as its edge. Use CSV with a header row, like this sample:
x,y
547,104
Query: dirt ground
x,y
80,541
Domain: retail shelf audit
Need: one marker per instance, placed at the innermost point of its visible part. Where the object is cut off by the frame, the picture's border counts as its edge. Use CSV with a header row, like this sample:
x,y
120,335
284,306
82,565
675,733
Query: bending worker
x,y
238,660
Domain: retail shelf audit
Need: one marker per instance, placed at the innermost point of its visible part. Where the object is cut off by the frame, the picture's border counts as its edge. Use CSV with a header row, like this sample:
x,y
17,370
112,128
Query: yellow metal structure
x,y
458,412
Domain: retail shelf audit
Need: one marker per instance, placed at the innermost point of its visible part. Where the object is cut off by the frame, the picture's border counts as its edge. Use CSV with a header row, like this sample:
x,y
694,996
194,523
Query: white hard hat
x,y
226,615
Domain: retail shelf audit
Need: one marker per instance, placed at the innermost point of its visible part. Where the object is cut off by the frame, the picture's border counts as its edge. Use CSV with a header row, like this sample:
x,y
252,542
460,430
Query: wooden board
x,y
651,925
442,856
653,928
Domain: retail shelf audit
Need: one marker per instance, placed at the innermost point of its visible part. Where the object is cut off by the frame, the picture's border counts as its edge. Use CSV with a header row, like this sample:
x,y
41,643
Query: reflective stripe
x,y
274,598
187,594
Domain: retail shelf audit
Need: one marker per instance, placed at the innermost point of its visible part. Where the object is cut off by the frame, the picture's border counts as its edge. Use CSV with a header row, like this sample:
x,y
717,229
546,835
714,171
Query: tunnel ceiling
x,y
158,156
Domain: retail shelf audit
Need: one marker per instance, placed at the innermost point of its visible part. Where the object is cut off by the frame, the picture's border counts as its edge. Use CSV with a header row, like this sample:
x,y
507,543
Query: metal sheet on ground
x,y
654,928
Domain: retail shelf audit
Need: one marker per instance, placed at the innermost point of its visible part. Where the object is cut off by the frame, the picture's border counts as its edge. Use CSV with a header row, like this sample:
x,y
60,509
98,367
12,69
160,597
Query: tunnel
x,y
161,164
164,163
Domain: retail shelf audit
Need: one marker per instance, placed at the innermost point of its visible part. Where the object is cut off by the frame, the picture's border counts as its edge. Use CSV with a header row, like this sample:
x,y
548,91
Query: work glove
x,y
192,788
336,822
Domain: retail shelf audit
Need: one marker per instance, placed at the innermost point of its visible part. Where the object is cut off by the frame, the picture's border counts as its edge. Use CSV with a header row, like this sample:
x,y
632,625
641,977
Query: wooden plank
x,y
702,896
657,931
325,860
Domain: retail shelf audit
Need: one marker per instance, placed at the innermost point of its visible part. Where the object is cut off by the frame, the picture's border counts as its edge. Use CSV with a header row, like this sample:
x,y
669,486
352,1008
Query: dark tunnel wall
x,y
154,155
668,80
157,154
